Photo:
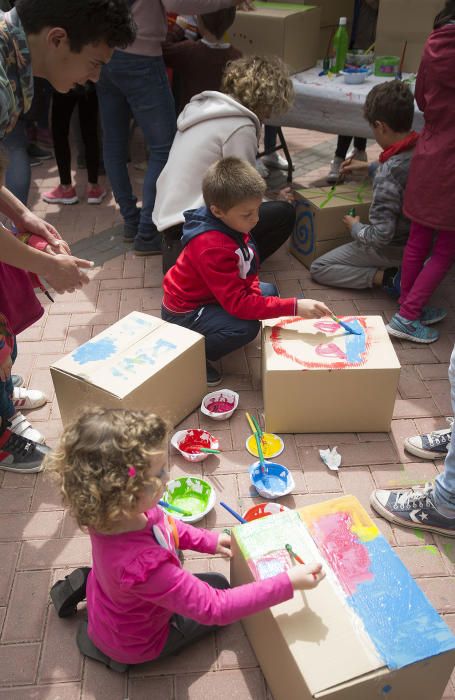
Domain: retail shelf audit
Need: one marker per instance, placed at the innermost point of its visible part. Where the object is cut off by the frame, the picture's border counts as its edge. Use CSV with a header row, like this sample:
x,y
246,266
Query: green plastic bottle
x,y
340,46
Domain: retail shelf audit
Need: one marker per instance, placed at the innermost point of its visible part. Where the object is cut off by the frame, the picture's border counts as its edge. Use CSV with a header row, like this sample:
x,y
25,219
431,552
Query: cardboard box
x,y
350,382
331,10
141,362
319,218
354,637
288,31
405,20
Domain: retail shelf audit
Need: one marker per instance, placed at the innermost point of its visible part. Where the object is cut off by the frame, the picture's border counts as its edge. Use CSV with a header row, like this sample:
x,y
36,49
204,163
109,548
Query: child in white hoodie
x,y
216,125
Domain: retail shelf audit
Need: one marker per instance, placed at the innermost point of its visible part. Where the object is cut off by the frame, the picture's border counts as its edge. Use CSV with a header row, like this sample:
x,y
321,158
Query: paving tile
x,y
9,552
60,691
99,683
358,482
148,688
60,660
415,408
27,607
393,476
40,554
15,500
422,560
18,663
440,592
199,657
318,477
234,649
242,684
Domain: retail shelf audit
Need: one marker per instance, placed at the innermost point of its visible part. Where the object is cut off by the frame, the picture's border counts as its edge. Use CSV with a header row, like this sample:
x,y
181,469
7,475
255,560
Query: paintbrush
x,y
295,556
257,426
209,450
250,422
346,326
261,460
403,54
233,512
171,507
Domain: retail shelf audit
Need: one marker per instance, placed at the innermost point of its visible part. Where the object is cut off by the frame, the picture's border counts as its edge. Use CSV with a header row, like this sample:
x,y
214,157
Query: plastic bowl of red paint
x,y
262,510
220,404
276,481
189,442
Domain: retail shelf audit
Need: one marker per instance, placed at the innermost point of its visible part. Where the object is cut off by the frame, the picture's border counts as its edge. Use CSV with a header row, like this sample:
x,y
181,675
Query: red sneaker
x,y
61,195
95,194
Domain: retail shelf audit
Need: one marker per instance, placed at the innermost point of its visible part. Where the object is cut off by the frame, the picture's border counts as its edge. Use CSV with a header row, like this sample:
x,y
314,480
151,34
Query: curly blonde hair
x,y
92,463
260,83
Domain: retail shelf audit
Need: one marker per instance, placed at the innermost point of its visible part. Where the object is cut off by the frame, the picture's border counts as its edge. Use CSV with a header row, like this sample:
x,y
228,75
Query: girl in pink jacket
x,y
142,605
429,194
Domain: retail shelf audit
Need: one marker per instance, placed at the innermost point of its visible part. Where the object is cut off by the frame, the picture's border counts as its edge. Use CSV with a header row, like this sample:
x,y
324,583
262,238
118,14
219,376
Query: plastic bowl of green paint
x,y
191,494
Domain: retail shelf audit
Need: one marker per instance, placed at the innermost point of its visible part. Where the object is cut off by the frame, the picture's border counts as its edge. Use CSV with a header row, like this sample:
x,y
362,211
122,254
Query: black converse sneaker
x,y
432,445
413,508
18,454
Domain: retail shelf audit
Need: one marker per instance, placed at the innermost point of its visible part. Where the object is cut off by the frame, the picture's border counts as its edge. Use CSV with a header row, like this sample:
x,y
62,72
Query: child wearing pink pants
x,y
429,194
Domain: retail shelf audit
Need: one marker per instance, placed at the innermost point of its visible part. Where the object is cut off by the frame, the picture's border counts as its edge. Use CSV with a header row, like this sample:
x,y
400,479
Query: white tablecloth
x,y
330,105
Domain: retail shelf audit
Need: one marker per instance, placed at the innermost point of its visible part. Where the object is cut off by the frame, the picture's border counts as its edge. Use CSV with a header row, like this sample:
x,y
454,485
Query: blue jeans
x,y
137,85
223,333
7,409
18,172
444,488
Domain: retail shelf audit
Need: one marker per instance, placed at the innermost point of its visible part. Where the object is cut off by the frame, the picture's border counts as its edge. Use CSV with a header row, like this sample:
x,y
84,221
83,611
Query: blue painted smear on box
x,y
94,351
355,344
402,624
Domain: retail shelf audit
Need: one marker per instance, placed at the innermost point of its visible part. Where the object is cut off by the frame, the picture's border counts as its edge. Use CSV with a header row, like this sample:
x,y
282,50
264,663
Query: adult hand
x,y
310,308
353,166
287,195
65,273
31,223
306,576
61,247
349,221
5,369
224,544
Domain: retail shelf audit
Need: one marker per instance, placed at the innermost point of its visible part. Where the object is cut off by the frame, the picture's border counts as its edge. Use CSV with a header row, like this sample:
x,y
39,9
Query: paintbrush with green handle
x,y
346,326
209,450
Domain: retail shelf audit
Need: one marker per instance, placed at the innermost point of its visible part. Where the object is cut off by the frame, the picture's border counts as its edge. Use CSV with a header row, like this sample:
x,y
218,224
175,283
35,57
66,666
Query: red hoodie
x,y
219,266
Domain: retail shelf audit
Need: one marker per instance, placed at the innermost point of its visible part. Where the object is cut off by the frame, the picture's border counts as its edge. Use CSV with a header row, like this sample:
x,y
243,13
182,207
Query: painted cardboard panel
x,y
354,636
288,31
303,393
140,362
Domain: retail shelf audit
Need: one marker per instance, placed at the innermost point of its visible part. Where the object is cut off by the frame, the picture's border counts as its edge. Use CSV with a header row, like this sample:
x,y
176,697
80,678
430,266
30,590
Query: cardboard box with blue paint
x,y
141,363
319,378
319,218
366,632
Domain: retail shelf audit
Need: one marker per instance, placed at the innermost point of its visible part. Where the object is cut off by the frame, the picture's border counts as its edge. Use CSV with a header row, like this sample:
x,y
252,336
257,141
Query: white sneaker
x,y
334,173
355,154
21,426
262,170
28,399
274,160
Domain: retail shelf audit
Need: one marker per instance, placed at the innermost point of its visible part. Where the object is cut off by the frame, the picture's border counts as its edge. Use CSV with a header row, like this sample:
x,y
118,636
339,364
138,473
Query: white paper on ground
x,y
331,458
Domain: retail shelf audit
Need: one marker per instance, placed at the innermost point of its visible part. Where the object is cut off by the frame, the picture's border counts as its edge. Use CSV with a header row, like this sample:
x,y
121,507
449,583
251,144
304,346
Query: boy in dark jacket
x,y
214,287
374,256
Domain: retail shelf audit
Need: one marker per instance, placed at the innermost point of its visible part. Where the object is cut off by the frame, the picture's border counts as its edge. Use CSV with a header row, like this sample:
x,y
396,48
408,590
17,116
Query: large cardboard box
x,y
405,20
331,10
365,632
318,378
319,218
141,362
285,30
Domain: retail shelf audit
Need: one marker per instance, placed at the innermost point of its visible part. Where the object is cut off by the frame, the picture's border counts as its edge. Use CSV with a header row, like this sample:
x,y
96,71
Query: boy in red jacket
x,y
214,287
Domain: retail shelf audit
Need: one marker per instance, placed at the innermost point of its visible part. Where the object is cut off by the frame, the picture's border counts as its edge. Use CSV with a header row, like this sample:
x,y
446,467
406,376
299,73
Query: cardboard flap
x,y
295,344
123,356
316,623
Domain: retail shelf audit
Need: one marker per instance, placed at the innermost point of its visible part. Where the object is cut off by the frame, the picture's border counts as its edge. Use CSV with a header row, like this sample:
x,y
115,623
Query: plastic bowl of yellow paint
x,y
272,445
220,405
191,494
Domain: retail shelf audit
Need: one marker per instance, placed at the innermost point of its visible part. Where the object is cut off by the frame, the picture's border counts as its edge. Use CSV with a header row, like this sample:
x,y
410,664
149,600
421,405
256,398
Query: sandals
x,y
68,592
87,648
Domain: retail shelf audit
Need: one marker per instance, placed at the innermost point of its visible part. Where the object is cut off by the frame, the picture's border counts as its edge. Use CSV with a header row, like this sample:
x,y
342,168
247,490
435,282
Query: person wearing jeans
x,y
431,507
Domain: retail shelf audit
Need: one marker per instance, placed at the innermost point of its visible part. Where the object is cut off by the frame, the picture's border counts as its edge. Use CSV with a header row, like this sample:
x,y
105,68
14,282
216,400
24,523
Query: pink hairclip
x,y
131,470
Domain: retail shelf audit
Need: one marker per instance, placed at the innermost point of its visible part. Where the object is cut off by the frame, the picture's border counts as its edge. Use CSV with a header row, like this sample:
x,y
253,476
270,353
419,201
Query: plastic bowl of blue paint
x,y
276,482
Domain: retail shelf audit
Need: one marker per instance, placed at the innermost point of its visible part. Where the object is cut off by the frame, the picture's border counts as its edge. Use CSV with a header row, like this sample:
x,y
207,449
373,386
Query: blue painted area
x,y
386,689
402,624
355,344
303,238
94,351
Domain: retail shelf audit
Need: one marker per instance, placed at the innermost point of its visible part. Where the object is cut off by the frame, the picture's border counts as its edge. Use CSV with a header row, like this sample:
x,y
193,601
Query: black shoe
x,y
129,233
87,648
21,455
152,246
213,376
68,592
38,153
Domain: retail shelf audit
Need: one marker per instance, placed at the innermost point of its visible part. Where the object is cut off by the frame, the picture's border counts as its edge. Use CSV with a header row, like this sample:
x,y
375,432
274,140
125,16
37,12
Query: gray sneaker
x,y
17,454
413,508
432,445
334,175
17,380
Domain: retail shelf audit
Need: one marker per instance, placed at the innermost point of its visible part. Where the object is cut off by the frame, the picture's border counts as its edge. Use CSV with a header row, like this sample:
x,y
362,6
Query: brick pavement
x,y
39,542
